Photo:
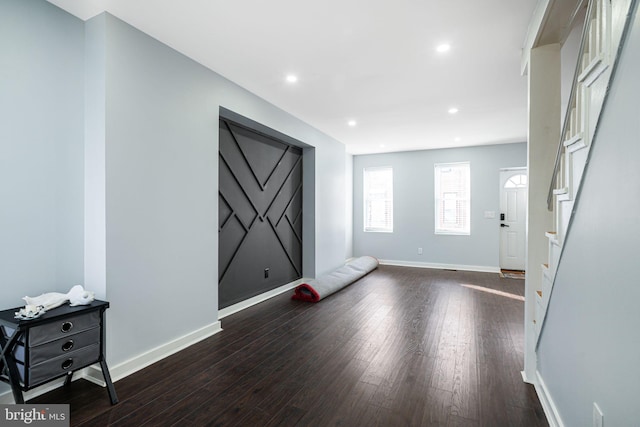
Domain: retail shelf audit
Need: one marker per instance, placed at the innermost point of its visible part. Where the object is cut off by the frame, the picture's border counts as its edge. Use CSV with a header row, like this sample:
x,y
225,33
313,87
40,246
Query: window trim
x,y
364,201
436,189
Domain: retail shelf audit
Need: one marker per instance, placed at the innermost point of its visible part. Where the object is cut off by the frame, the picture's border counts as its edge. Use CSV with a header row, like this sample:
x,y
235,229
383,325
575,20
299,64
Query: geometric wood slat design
x,y
260,213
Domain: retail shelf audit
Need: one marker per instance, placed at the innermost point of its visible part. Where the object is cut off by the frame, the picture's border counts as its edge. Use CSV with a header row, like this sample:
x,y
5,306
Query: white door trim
x,y
514,237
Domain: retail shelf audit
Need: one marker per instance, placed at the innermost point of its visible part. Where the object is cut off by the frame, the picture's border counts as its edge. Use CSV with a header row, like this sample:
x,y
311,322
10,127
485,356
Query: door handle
x,y
504,225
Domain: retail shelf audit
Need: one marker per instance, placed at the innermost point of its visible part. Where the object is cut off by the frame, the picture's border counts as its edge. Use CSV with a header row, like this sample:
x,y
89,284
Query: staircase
x,y
605,26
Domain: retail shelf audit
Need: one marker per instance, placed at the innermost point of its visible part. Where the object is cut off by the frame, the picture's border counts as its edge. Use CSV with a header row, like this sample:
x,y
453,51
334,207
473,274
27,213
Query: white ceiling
x,y
373,61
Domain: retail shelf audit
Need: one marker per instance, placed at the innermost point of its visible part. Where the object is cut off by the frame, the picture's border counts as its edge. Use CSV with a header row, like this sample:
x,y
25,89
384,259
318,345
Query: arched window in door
x,y
516,181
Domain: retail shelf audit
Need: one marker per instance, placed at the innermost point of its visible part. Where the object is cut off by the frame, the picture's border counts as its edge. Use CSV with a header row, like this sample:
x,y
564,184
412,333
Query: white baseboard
x,y
525,378
259,298
548,405
6,398
94,373
478,268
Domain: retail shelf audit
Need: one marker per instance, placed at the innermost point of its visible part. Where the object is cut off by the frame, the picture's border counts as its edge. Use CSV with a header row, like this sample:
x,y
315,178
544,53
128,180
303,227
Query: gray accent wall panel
x,y
259,214
413,206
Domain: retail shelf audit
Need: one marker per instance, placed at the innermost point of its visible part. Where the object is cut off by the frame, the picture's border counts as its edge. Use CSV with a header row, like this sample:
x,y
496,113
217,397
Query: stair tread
x,y
573,139
563,190
553,237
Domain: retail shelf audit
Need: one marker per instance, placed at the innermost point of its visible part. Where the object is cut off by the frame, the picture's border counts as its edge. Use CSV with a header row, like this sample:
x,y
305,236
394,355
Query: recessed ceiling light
x,y
457,139
452,110
381,145
444,47
352,123
292,78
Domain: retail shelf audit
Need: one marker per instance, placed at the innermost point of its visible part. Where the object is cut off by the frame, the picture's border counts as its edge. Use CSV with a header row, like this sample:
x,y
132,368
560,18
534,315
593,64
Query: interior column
x,y
542,143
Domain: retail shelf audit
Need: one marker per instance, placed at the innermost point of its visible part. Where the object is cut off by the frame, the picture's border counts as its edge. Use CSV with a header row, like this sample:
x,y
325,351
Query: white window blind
x,y
378,199
453,198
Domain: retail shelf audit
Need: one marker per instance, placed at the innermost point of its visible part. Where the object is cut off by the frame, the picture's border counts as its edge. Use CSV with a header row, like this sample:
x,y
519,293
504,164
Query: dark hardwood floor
x,y
400,347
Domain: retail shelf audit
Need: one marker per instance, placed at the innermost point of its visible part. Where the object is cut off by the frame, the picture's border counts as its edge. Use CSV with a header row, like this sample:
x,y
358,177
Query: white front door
x,y
513,210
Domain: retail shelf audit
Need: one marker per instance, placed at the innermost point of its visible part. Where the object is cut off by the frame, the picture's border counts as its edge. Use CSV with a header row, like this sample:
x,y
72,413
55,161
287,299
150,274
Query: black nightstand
x,y
59,342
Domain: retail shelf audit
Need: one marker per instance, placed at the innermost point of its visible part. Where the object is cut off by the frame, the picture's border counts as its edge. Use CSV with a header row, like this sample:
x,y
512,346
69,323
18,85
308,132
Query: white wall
x,y
151,138
95,269
543,88
414,212
349,203
589,347
161,148
41,150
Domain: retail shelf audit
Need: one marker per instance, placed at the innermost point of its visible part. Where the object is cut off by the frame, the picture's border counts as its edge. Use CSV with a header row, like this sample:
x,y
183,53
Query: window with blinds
x,y
378,199
453,198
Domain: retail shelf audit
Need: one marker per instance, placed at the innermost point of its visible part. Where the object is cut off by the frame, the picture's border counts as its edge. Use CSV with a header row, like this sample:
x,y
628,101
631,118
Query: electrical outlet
x,y
419,251
598,417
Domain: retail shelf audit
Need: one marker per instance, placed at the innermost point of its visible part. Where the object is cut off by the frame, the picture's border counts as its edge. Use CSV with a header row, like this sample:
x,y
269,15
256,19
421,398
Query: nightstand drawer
x,y
58,347
61,365
63,328
54,345
63,346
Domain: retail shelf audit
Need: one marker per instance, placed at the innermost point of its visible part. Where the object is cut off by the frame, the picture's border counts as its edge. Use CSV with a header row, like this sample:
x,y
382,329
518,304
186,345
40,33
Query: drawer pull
x,y
67,364
67,346
66,326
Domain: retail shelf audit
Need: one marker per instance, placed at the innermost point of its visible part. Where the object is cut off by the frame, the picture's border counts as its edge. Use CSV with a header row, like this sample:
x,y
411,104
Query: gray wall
x,y
161,188
590,347
413,206
41,150
152,151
